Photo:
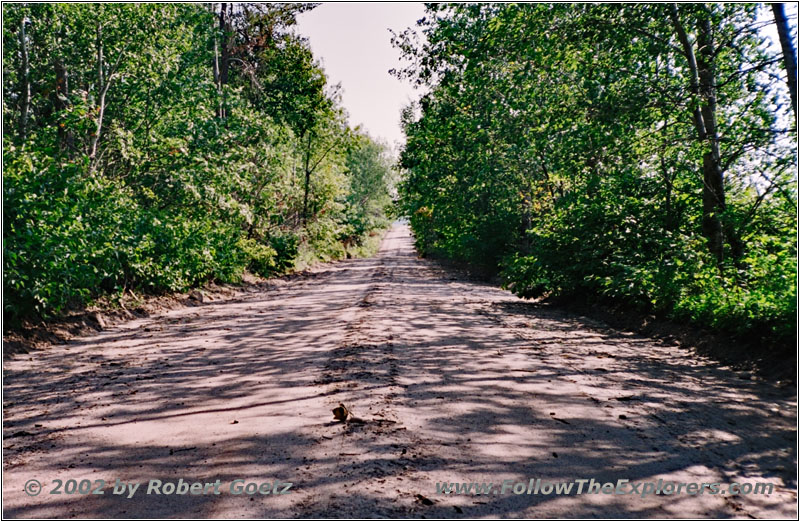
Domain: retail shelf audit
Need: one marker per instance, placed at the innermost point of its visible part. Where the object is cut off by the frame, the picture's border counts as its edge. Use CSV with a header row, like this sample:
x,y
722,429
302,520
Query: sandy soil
x,y
455,381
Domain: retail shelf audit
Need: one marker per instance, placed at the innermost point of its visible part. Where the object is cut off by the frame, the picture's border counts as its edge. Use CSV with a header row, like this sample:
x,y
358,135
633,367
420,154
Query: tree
x,y
371,176
789,55
703,86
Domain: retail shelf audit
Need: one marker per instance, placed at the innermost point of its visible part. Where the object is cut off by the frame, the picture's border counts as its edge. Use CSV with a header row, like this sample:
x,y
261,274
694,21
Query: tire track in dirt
x,y
373,451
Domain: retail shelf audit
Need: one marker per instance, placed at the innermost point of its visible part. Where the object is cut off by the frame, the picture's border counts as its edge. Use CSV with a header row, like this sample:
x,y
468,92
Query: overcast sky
x,y
353,42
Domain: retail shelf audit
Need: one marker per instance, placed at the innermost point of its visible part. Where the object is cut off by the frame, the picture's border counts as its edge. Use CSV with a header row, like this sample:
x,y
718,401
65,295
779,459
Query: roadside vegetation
x,y
156,147
638,154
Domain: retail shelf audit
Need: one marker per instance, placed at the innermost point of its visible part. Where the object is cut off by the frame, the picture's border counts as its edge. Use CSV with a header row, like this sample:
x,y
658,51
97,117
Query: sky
x,y
353,42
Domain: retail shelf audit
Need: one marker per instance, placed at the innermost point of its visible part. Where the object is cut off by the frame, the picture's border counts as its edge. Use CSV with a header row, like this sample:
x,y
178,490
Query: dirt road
x,y
455,382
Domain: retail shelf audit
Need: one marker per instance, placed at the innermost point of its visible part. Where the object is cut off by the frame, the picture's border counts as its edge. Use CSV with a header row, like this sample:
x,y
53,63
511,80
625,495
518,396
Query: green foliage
x,y
557,145
153,172
370,175
286,248
261,258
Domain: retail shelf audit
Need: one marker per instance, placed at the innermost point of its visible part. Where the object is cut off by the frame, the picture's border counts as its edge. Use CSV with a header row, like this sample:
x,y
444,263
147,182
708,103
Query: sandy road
x,y
456,382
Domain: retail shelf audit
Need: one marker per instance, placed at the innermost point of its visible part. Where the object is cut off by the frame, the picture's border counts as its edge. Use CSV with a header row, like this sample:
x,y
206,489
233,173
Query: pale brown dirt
x,y
456,381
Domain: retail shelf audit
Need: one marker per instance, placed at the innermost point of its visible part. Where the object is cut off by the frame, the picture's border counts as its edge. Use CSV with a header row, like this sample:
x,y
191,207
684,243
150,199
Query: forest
x,y
636,154
153,148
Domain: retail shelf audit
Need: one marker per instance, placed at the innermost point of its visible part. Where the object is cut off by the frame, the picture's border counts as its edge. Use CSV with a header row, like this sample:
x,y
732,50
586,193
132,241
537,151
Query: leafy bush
x,y
286,248
261,259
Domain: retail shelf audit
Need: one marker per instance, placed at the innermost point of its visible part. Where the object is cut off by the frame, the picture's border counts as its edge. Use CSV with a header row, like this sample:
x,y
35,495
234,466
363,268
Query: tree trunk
x,y
307,185
222,62
694,81
25,87
669,222
666,173
789,56
104,79
224,27
61,102
527,223
217,83
713,183
102,88
702,84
